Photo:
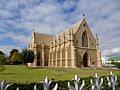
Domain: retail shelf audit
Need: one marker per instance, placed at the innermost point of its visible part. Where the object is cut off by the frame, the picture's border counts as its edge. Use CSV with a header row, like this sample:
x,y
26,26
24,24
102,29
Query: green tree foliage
x,y
1,53
114,59
117,65
3,59
16,58
12,52
27,56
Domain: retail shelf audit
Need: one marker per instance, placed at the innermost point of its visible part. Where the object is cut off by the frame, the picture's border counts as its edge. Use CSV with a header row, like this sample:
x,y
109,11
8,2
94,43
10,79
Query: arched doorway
x,y
85,60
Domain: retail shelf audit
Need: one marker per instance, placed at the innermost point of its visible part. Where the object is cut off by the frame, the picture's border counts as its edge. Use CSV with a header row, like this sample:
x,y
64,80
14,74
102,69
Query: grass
x,y
20,74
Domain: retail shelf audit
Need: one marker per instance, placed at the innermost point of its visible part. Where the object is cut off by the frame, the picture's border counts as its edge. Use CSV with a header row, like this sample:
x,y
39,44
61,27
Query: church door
x,y
85,60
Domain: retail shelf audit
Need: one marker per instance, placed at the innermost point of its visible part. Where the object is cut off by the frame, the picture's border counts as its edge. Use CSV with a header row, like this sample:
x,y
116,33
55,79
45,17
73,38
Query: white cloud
x,y
69,4
5,14
7,48
21,40
49,16
111,52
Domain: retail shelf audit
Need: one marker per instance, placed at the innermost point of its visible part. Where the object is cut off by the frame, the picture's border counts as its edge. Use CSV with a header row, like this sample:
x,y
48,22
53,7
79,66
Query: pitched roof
x,y
73,28
47,39
43,38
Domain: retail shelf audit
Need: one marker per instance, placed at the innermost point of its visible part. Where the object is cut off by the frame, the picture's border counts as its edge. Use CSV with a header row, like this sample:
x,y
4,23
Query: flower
x,y
66,80
103,76
118,83
52,79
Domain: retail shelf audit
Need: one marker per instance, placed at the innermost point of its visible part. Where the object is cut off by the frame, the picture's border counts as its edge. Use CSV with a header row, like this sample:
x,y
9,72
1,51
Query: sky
x,y
19,17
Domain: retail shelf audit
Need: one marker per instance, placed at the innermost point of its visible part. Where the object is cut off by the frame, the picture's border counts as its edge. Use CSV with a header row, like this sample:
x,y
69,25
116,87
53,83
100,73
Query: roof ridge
x,y
43,34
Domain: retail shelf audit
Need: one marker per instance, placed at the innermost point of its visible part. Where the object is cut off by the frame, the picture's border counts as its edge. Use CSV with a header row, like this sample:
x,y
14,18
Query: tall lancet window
x,y
84,39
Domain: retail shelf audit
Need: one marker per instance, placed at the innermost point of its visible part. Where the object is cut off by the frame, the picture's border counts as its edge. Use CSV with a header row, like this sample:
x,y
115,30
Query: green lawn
x,y
19,74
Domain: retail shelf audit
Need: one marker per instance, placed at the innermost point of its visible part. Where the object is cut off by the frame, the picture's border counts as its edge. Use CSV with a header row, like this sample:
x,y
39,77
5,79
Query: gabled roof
x,y
74,28
47,39
43,38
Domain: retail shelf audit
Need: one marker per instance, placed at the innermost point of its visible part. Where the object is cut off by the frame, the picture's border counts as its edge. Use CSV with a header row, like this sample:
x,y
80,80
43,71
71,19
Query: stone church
x,y
75,47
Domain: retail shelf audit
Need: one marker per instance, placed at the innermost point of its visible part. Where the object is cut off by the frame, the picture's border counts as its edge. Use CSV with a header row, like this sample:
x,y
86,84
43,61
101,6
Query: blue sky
x,y
19,17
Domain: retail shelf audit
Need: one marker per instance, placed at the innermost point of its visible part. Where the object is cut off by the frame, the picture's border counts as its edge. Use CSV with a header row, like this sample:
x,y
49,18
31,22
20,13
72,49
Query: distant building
x,y
110,60
75,47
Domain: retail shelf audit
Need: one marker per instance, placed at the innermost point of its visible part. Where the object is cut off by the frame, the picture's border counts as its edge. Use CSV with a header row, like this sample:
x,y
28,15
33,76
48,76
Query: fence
x,y
97,85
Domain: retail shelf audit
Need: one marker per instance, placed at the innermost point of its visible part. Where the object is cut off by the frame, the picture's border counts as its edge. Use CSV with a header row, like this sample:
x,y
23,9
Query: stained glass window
x,y
84,39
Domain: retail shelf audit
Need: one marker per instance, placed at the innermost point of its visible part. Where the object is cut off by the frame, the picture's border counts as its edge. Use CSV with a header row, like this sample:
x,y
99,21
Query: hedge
x,y
63,85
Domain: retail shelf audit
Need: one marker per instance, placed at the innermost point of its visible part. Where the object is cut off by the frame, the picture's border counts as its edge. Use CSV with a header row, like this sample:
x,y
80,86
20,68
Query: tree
x,y
117,65
1,53
16,58
27,56
3,59
12,52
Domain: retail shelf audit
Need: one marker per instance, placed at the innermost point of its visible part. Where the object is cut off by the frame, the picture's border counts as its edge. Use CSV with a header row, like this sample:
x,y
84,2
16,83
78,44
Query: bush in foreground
x,y
63,85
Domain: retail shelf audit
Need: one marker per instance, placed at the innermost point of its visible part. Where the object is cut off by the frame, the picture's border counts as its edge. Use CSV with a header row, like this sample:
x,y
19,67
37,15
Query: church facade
x,y
75,47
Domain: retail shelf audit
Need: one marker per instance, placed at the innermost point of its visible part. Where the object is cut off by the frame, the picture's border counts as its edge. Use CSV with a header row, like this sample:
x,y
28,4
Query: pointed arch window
x,y
84,39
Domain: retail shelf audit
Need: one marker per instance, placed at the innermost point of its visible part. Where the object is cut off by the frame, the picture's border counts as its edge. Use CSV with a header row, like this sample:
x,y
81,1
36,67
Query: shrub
x,y
117,65
3,59
16,59
63,85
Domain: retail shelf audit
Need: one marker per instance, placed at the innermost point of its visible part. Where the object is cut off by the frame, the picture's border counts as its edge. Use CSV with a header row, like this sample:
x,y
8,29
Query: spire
x,y
55,39
52,44
96,37
33,37
69,32
33,34
64,34
33,30
59,39
97,45
59,36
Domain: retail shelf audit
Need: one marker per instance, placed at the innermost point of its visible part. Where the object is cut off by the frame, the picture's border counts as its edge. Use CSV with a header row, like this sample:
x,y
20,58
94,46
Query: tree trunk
x,y
26,65
2,67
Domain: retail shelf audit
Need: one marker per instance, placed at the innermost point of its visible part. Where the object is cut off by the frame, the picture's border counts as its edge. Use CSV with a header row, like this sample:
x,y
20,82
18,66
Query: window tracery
x,y
84,39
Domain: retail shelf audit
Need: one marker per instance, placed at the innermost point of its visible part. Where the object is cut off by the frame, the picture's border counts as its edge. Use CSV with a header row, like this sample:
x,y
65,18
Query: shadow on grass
x,y
7,74
34,68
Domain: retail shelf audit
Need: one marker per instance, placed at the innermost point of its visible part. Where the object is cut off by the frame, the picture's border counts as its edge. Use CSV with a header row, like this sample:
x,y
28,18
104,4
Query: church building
x,y
75,47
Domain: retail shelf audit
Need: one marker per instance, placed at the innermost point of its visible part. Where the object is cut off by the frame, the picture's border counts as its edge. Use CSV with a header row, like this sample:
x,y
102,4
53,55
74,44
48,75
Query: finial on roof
x,y
59,36
69,31
83,15
64,34
55,39
96,37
